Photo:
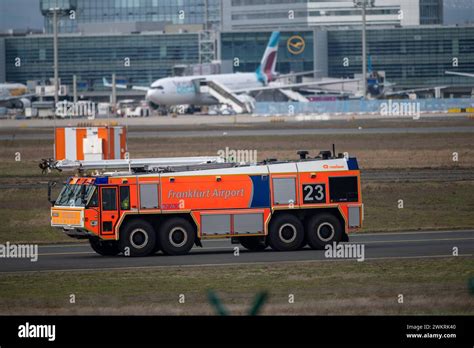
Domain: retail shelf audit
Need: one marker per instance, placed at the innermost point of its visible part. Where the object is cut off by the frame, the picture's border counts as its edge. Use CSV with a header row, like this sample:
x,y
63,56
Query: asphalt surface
x,y
307,131
260,132
378,246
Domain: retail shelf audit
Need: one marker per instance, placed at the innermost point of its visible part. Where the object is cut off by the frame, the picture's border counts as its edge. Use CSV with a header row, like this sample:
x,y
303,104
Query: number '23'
x,y
314,193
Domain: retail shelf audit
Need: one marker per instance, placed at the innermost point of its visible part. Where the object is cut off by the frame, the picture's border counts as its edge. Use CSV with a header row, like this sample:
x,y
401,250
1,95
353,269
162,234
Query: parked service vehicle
x,y
131,108
172,204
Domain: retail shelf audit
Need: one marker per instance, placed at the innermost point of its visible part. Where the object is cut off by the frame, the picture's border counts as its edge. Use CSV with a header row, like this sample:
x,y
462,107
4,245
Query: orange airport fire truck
x,y
171,204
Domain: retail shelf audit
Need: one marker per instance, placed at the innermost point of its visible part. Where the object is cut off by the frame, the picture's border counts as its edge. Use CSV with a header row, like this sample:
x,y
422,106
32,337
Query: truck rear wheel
x,y
323,229
137,239
176,236
286,233
253,243
104,247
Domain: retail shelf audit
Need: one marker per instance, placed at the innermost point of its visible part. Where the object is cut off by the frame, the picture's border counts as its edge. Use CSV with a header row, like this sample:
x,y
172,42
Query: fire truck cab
x,y
282,204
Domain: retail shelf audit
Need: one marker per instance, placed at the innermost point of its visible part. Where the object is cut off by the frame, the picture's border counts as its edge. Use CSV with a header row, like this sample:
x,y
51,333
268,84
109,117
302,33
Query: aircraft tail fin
x,y
266,70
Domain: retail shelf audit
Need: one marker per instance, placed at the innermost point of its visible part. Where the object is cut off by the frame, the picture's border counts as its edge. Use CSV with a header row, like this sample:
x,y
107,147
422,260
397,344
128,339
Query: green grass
x,y
380,151
426,205
25,217
437,286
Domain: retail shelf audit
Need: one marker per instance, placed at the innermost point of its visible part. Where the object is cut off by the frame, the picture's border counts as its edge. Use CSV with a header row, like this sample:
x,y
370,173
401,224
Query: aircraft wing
x,y
10,98
140,88
327,91
303,73
293,85
414,90
137,88
458,73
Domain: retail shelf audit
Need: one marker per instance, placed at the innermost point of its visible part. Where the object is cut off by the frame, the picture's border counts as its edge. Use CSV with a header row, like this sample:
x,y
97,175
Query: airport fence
x,y
360,106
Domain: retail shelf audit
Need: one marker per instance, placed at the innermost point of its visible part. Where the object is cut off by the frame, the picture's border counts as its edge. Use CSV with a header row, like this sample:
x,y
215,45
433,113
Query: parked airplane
x,y
14,95
377,86
231,89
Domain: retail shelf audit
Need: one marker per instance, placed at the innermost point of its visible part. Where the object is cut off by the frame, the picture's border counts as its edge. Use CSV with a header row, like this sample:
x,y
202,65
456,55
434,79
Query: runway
x,y
256,132
378,246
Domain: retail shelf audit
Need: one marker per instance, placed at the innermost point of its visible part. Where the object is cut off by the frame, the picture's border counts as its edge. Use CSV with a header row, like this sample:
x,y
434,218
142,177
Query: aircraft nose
x,y
151,96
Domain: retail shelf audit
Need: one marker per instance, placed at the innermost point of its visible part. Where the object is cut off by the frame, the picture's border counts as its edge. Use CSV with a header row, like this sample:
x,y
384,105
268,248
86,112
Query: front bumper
x,y
67,217
78,233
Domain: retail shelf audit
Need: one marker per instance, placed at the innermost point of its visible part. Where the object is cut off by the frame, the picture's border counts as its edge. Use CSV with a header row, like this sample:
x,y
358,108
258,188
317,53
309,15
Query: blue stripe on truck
x,y
261,191
352,163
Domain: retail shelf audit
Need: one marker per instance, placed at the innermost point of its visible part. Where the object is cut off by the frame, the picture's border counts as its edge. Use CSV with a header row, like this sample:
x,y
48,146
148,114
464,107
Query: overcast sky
x,y
458,11
22,14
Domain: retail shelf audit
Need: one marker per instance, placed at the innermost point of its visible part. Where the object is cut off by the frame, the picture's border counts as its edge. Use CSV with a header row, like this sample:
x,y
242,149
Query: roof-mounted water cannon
x,y
302,154
325,154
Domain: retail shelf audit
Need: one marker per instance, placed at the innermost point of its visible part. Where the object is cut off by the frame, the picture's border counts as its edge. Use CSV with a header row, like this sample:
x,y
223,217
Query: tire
x,y
139,238
253,243
323,229
104,247
286,233
176,236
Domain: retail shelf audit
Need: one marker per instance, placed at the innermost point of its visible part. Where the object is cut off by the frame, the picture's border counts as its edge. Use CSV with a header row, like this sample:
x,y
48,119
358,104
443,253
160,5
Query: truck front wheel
x,y
286,233
104,247
176,236
137,239
323,229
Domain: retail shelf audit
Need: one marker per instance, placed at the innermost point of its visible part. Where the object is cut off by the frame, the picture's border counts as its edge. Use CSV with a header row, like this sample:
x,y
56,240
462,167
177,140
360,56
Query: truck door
x,y
109,208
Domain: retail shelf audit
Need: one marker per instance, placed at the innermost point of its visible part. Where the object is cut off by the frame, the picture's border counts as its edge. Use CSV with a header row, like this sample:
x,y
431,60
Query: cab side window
x,y
109,200
125,197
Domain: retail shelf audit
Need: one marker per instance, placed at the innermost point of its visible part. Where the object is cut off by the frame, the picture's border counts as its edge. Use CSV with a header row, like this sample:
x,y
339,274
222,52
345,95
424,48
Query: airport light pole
x,y
55,53
363,4
114,91
74,88
206,19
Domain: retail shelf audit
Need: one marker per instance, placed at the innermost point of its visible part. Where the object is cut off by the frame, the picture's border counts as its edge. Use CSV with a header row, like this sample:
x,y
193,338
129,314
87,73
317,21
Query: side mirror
x,y
51,184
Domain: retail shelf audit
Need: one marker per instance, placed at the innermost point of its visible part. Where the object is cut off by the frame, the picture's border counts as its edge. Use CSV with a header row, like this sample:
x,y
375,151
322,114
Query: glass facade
x,y
65,5
248,47
431,11
305,14
136,59
114,11
411,57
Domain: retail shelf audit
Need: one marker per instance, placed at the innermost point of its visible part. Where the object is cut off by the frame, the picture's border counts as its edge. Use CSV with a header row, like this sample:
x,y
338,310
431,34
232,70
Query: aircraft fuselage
x,y
185,90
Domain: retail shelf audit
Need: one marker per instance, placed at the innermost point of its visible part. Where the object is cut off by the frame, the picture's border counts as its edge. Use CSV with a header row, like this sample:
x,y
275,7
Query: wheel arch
x,y
305,214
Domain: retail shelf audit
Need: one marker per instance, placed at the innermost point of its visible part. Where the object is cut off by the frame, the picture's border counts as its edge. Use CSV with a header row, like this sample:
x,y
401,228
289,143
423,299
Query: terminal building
x,y
228,15
135,59
142,47
92,14
265,14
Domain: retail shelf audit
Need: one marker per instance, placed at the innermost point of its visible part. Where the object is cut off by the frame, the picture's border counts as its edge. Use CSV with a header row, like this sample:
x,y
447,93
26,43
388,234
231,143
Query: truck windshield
x,y
72,195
